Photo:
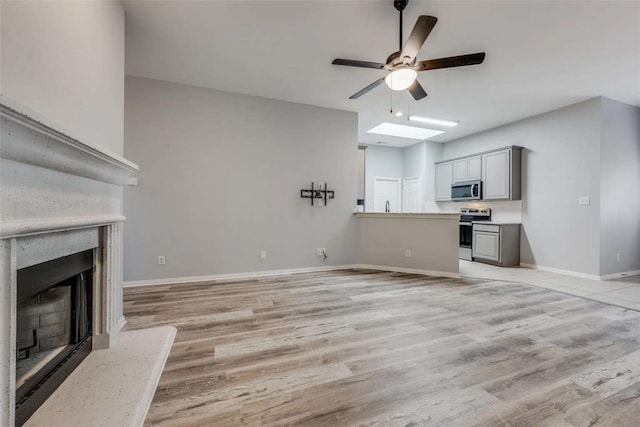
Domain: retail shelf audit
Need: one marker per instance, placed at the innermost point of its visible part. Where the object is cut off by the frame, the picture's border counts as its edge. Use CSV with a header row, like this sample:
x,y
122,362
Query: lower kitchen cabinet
x,y
496,244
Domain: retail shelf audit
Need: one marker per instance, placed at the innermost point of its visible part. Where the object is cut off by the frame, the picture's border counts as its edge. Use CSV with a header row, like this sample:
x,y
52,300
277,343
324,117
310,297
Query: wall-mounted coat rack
x,y
318,191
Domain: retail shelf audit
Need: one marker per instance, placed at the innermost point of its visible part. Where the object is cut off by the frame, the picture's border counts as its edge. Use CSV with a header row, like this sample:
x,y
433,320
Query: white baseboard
x,y
287,272
233,276
620,275
559,271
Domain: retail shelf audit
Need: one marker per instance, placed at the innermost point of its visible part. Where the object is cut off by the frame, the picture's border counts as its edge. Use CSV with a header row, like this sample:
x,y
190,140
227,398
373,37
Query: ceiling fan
x,y
402,66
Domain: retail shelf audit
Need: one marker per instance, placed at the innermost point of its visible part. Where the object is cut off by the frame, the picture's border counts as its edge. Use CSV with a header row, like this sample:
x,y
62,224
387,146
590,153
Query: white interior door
x,y
412,194
386,190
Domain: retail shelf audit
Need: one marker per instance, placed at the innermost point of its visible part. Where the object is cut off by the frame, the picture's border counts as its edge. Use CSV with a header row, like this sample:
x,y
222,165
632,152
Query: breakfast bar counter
x,y
424,243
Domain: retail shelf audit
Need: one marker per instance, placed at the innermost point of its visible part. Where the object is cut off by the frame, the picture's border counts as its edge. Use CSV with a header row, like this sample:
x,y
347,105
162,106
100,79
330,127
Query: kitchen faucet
x,y
387,207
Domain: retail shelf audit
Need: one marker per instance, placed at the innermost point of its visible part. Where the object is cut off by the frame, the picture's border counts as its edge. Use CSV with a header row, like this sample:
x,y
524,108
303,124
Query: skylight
x,y
391,129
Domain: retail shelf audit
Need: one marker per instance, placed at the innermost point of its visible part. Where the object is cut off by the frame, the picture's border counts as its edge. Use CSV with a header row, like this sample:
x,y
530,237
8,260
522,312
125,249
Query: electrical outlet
x,y
321,251
263,254
407,253
584,200
161,260
618,257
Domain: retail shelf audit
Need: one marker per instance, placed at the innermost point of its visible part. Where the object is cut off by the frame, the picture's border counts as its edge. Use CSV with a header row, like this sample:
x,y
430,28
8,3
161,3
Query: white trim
x,y
559,271
232,276
26,227
619,275
26,139
16,112
271,273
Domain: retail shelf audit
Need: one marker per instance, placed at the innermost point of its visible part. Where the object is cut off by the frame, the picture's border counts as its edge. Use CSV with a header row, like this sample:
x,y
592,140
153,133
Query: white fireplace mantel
x,y
57,195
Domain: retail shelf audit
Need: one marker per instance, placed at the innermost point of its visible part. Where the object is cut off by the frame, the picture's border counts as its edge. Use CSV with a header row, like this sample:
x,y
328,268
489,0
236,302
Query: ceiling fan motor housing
x,y
400,4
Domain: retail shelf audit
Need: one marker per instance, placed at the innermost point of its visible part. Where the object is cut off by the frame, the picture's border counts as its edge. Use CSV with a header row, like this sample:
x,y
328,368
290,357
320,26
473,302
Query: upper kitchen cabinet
x,y
499,171
501,174
443,181
467,169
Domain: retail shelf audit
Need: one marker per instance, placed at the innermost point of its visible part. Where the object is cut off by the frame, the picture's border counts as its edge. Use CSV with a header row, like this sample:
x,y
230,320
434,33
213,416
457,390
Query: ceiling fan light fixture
x,y
401,78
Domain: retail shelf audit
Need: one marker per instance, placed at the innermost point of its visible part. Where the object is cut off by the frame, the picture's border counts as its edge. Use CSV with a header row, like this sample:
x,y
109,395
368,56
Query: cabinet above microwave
x,y
499,171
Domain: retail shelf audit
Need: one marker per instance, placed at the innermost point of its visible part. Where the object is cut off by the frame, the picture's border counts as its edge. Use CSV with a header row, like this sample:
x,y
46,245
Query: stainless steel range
x,y
467,216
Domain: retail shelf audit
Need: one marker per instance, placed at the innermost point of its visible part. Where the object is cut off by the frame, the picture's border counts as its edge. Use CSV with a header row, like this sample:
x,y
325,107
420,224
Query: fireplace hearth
x,y
53,321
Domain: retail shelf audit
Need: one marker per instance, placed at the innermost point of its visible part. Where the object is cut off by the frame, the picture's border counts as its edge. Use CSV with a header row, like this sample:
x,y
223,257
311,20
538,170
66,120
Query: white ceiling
x,y
540,55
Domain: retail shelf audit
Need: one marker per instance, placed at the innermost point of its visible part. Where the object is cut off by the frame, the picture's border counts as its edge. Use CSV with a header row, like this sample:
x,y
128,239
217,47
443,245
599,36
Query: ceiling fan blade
x,y
452,61
362,64
366,89
419,34
417,91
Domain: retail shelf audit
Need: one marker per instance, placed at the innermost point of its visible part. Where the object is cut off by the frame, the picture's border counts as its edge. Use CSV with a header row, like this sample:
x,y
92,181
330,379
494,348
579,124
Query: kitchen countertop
x,y
451,216
496,223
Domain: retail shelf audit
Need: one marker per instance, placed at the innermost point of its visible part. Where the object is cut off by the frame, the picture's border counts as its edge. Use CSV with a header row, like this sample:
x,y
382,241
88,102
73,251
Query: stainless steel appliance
x,y
468,190
467,216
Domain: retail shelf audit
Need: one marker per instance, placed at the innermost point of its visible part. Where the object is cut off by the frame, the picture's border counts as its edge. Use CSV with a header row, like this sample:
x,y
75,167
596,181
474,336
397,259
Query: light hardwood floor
x,y
376,348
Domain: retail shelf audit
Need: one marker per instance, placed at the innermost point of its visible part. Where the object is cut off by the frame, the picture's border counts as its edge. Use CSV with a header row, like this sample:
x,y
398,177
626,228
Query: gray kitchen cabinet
x,y
498,169
496,244
467,169
501,174
443,181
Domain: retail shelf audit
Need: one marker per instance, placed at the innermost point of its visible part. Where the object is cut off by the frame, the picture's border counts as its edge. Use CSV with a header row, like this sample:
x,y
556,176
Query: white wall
x,y
620,188
64,60
560,162
383,162
220,179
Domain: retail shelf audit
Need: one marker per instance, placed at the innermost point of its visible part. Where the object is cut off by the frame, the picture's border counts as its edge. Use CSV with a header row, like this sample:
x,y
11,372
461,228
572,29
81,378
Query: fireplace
x,y
53,327
60,257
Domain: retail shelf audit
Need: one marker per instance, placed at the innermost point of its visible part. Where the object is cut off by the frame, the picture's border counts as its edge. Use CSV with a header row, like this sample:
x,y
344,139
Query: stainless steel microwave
x,y
468,190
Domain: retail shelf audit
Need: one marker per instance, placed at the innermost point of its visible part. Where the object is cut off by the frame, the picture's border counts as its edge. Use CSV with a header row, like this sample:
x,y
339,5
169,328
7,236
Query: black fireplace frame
x,y
76,270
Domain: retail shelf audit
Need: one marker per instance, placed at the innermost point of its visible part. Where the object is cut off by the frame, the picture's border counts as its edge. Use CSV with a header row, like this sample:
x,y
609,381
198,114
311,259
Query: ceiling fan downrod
x,y
400,5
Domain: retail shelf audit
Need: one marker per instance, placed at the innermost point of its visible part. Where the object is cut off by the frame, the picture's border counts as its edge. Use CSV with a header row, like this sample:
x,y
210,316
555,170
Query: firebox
x,y
54,325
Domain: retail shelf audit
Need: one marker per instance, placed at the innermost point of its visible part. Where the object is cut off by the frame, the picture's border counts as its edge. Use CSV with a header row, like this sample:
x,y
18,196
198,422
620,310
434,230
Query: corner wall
x,y
64,61
220,179
620,188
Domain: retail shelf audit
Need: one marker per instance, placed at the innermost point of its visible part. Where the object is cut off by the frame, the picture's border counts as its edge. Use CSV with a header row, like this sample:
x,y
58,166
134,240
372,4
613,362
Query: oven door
x,y
466,239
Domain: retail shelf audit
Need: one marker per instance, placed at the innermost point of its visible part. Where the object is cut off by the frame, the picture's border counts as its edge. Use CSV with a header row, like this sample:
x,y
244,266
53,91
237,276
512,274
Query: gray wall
x,y
561,162
220,179
64,60
620,188
381,161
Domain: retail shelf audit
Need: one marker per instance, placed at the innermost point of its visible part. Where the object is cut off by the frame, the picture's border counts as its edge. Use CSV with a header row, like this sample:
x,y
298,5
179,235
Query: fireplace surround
x,y
59,197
